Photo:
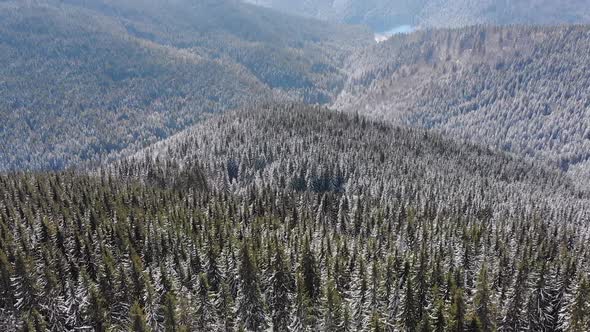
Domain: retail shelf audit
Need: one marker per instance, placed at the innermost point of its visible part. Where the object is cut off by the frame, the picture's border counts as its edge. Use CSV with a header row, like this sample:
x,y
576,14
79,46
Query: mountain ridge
x,y
521,89
383,15
111,76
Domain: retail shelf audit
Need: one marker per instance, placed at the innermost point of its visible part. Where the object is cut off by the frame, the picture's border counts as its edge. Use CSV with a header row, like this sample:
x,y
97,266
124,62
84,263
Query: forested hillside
x,y
80,79
521,89
325,222
380,15
461,13
383,15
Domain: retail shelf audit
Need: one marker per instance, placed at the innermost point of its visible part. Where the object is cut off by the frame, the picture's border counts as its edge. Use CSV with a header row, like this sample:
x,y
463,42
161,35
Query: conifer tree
x,y
97,311
282,287
225,307
302,316
473,324
580,311
514,320
425,325
360,299
539,304
250,303
376,324
38,321
170,312
214,274
409,312
440,322
311,275
24,283
483,302
6,294
457,312
138,319
205,313
333,314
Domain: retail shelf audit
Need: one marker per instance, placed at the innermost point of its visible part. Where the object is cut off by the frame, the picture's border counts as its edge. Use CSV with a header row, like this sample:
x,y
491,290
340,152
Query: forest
x,y
80,79
383,15
213,165
296,229
520,89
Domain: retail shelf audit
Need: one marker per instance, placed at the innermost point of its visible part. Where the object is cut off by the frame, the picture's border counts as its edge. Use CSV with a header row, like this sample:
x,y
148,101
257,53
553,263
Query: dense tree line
x,y
82,79
521,89
259,246
461,13
311,148
383,15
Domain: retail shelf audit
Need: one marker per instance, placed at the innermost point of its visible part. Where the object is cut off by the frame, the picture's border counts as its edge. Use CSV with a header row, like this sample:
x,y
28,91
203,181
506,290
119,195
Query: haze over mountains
x,y
384,15
141,72
82,79
213,165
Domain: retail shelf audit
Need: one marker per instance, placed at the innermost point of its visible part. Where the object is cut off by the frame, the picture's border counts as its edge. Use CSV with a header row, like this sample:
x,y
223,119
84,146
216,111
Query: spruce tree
x,y
282,287
457,312
425,325
250,302
170,312
409,312
26,288
483,302
138,319
440,321
311,275
205,312
97,310
580,311
6,294
333,311
539,304
514,319
225,307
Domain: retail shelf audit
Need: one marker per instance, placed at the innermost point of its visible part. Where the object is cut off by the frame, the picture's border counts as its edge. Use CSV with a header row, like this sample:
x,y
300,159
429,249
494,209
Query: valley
x,y
515,89
127,79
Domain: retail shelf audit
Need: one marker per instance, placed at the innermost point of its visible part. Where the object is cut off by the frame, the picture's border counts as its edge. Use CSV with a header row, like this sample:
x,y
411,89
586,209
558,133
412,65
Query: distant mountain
x,y
80,79
383,15
380,15
458,13
521,89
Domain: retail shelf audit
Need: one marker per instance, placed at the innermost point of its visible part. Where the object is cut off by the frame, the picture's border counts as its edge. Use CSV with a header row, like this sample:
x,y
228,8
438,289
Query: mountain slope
x,y
82,79
519,89
306,148
383,15
292,217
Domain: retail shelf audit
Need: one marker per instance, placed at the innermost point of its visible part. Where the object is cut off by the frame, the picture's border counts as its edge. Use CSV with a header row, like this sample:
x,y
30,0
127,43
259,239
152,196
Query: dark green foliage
x,y
138,319
97,311
170,315
205,313
410,242
484,308
410,318
250,301
282,284
580,309
457,312
310,273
